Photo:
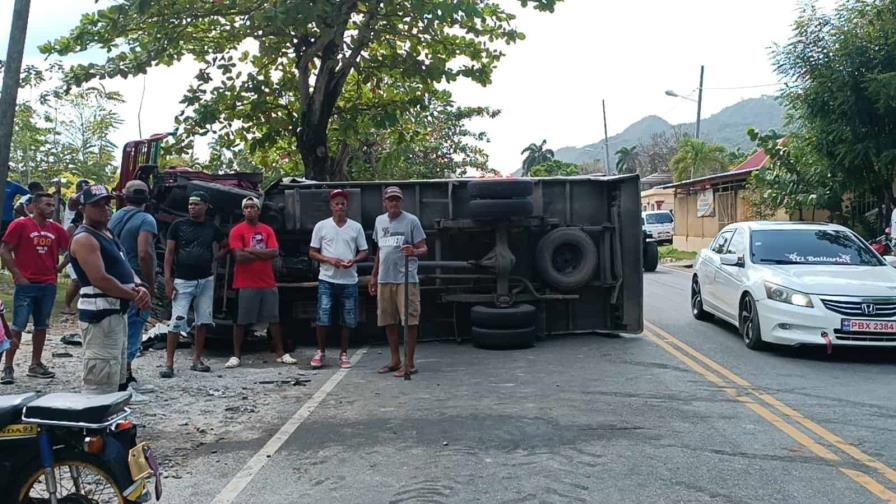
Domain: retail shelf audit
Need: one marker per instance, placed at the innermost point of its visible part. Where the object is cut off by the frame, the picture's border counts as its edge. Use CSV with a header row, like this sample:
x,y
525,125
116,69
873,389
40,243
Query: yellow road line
x,y
872,486
760,410
820,431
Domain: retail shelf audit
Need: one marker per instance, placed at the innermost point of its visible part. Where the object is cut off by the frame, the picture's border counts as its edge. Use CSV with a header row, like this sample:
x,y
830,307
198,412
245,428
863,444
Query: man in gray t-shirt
x,y
397,234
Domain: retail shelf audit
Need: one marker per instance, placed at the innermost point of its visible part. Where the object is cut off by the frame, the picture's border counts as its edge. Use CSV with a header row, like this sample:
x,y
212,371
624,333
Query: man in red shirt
x,y
30,250
255,247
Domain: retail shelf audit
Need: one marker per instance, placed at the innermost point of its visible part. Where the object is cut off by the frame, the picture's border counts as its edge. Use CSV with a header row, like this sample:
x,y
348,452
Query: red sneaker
x,y
344,361
317,361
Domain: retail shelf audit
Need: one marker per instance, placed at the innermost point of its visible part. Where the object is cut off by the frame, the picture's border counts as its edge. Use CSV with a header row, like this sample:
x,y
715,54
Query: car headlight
x,y
785,295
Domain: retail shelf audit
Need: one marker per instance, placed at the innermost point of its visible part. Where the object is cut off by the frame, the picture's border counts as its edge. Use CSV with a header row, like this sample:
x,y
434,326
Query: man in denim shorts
x,y
337,243
30,250
189,279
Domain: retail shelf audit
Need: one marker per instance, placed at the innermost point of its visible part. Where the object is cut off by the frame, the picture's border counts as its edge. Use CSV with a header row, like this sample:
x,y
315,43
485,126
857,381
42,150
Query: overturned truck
x,y
510,260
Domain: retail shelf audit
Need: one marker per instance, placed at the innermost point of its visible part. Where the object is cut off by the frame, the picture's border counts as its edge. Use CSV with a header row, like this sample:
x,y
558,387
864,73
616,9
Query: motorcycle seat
x,y
11,407
77,408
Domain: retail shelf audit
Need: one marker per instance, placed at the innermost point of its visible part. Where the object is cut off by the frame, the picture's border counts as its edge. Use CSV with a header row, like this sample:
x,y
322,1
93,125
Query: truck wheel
x,y
500,188
488,317
566,258
491,209
651,256
503,338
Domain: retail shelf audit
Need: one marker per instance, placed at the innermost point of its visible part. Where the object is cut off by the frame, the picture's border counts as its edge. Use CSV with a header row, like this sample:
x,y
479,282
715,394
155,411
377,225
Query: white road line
x,y
230,492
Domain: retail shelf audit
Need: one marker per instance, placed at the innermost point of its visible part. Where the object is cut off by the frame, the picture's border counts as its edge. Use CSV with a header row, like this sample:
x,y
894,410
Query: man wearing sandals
x,y
398,234
30,250
255,247
189,255
337,243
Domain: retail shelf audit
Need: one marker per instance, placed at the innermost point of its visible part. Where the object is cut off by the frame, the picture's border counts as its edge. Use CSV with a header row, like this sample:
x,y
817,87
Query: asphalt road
x,y
684,413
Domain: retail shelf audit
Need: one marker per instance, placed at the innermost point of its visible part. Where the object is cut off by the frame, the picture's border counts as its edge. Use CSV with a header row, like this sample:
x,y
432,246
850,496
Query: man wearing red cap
x,y
337,243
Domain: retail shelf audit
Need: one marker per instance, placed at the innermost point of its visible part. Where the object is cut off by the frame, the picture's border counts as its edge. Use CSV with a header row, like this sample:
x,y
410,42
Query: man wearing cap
x,y
30,250
255,247
189,280
109,286
397,234
337,243
136,230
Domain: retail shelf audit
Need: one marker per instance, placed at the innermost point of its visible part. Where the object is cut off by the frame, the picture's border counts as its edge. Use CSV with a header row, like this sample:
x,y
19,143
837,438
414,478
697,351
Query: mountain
x,y
728,127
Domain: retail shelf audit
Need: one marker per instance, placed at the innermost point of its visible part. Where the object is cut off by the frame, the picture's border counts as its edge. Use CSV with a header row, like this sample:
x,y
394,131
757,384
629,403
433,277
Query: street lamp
x,y
699,100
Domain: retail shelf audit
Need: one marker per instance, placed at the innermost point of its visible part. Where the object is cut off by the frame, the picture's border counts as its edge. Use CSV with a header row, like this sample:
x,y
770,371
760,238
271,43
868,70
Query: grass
x,y
7,288
669,252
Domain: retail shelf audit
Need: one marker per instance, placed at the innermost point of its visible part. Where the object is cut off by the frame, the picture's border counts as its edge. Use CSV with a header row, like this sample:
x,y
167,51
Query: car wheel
x,y
651,256
500,209
503,339
749,324
500,188
514,317
566,258
697,302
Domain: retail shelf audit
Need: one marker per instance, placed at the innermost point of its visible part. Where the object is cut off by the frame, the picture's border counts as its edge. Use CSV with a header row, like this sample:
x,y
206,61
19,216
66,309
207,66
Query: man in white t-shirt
x,y
337,243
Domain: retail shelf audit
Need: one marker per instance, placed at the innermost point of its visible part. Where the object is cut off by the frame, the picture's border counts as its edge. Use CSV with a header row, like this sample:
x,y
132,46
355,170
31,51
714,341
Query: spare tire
x,y
651,256
566,258
500,188
503,338
494,209
489,317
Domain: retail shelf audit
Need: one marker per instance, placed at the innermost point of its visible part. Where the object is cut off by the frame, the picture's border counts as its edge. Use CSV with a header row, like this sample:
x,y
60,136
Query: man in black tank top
x,y
108,287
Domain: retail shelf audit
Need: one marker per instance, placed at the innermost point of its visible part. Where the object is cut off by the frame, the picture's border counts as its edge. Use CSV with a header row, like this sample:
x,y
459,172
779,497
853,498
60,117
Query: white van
x,y
659,225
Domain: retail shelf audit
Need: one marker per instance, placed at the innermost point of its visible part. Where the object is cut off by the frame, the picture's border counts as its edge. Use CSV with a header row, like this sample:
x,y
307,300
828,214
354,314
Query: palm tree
x,y
535,155
696,158
627,159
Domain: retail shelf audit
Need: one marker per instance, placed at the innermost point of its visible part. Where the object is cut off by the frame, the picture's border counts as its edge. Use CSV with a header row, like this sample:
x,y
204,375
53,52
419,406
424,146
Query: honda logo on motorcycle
x,y
869,308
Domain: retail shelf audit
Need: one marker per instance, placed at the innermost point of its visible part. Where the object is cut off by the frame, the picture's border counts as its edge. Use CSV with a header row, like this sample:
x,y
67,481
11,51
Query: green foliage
x,y
627,160
555,168
840,71
534,155
273,72
696,158
64,135
795,179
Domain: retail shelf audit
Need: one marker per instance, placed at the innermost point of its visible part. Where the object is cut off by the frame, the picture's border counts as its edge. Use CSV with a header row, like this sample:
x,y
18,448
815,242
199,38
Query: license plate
x,y
18,430
873,326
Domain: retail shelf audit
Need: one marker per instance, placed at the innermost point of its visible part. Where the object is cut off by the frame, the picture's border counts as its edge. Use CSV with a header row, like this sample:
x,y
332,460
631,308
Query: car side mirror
x,y
731,260
891,260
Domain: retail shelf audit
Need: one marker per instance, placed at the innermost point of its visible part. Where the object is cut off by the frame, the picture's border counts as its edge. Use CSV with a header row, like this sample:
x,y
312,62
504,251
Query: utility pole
x,y
699,102
603,105
10,90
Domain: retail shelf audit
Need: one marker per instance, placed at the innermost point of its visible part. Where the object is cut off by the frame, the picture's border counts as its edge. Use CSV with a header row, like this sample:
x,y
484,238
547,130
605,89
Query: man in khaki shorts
x,y
397,234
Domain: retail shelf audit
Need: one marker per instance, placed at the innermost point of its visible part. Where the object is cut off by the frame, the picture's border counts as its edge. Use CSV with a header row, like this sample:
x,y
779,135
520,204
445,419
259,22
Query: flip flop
x,y
400,373
388,369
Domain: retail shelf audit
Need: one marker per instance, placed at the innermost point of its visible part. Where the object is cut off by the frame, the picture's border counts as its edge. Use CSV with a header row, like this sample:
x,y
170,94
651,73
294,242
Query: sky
x,y
550,85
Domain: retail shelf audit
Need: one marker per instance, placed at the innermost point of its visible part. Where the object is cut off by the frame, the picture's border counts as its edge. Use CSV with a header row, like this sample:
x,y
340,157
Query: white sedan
x,y
793,283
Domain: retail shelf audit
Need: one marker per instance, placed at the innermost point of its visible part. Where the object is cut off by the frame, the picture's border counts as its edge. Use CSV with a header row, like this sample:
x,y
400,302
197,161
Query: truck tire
x,y
566,258
489,317
492,209
651,256
503,338
500,188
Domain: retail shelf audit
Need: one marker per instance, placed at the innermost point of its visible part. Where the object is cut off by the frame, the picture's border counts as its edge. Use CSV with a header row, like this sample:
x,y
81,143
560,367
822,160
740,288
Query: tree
x,y
555,168
31,144
86,119
696,158
840,88
627,160
535,154
275,70
795,179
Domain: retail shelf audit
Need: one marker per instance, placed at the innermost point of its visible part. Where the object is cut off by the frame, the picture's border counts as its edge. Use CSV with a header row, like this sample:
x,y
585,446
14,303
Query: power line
x,y
745,87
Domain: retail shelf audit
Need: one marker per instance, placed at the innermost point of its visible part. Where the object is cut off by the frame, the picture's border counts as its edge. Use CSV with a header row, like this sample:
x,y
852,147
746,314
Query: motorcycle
x,y
883,245
65,448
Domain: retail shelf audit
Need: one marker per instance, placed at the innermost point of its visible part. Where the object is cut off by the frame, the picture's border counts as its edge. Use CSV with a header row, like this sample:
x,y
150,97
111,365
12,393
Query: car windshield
x,y
659,218
811,246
